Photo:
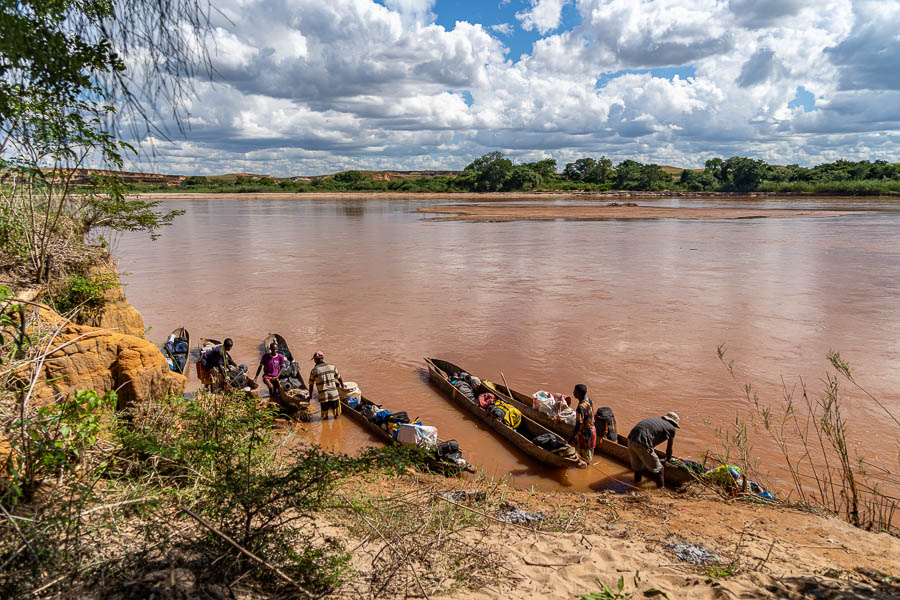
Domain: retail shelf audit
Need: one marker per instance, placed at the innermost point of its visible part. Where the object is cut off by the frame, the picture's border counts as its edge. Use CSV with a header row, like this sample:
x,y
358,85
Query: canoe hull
x,y
182,333
438,371
446,468
616,451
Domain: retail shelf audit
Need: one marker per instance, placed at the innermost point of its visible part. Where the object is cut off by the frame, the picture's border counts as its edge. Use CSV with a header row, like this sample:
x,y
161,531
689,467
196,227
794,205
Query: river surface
x,y
633,309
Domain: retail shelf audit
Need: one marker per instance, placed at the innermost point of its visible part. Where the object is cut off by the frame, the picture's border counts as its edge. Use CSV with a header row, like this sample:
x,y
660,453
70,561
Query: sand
x,y
778,552
594,212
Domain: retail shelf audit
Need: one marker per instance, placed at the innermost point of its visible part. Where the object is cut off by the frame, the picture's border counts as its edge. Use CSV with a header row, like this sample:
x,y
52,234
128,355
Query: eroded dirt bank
x,y
543,212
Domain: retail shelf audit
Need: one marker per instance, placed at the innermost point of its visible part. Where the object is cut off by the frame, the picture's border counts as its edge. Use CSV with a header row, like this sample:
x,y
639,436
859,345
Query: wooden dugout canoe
x,y
617,451
183,334
291,399
439,371
440,466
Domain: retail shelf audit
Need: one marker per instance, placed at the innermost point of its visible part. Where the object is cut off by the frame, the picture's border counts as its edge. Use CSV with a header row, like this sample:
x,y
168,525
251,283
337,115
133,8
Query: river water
x,y
633,309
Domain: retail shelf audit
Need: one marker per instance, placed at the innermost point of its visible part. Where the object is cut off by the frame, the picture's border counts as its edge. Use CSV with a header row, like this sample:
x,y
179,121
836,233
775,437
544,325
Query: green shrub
x,y
85,294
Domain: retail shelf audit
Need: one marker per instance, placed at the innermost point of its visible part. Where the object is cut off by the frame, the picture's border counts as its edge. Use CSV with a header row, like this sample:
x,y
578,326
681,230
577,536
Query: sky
x,y
305,87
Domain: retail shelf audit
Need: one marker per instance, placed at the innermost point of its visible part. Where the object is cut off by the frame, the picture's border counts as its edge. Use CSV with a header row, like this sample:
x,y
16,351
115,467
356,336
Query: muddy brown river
x,y
634,309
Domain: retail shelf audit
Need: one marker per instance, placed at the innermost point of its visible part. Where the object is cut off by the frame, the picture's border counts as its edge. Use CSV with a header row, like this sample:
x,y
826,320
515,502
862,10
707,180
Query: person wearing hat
x,y
325,375
642,440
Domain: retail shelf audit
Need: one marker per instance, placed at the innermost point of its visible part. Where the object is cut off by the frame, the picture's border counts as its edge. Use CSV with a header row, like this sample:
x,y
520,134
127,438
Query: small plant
x,y
87,295
717,572
619,593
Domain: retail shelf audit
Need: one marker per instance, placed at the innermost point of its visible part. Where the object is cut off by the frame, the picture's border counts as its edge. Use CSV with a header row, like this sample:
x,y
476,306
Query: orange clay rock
x,y
88,358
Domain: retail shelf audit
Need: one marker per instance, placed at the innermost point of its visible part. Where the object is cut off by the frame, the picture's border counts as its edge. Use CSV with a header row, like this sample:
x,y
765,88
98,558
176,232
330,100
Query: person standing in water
x,y
326,377
212,364
584,434
645,436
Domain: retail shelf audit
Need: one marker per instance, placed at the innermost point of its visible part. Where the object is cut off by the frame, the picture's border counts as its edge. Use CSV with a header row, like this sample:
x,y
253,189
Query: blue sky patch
x,y
492,13
804,99
664,72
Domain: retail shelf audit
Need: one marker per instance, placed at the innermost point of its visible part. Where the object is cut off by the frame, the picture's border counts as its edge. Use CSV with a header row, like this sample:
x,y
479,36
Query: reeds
x,y
812,434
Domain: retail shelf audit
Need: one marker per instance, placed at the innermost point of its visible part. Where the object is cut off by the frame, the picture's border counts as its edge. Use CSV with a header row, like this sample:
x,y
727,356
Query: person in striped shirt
x,y
326,377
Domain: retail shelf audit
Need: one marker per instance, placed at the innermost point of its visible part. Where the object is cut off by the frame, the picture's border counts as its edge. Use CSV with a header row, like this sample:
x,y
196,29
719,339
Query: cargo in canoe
x,y
618,451
177,350
439,371
444,466
292,390
236,379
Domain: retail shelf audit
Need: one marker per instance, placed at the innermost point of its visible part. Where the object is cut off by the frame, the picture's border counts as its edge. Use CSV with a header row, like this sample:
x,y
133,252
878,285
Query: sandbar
x,y
594,212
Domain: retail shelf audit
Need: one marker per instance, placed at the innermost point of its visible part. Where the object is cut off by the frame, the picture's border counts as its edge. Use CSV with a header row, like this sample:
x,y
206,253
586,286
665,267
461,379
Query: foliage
x,y
86,294
63,67
812,435
619,593
53,441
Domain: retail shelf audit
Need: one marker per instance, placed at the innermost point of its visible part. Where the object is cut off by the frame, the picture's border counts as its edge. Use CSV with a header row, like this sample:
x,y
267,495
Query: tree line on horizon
x,y
493,172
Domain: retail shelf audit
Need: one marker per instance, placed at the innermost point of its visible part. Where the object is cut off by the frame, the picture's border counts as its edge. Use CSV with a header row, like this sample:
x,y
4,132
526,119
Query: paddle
x,y
508,391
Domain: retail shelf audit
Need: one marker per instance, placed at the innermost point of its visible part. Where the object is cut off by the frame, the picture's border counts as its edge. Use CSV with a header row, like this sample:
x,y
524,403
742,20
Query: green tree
x,y
628,175
746,173
653,177
578,170
65,92
522,177
545,168
487,173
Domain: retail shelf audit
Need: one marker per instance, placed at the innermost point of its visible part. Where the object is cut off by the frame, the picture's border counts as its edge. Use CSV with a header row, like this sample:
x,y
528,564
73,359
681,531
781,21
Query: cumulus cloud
x,y
543,16
313,86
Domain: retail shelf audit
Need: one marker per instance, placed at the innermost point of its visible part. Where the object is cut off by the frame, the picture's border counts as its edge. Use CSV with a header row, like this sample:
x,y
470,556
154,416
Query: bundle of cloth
x,y
556,406
466,384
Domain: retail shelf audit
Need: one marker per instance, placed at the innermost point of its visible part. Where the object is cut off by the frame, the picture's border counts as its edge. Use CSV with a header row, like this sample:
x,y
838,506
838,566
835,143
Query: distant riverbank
x,y
612,195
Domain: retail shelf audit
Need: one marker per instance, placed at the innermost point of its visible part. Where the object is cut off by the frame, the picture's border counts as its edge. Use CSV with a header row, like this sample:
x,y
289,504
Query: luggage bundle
x,y
350,394
510,415
486,399
567,416
605,422
449,451
416,434
289,377
549,441
544,402
465,383
369,411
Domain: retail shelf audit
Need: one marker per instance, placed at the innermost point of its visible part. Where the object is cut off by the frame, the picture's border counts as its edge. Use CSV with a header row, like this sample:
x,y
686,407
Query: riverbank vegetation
x,y
495,173
69,98
819,446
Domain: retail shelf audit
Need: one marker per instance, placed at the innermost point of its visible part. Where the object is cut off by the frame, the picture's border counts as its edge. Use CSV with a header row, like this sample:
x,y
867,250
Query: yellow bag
x,y
512,416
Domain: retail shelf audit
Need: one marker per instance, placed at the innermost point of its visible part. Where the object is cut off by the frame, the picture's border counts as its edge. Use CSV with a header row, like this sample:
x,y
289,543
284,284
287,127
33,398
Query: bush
x,y
87,295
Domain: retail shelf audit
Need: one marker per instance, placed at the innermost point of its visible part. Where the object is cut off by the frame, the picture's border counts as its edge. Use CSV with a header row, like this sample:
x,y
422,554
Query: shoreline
x,y
480,213
363,195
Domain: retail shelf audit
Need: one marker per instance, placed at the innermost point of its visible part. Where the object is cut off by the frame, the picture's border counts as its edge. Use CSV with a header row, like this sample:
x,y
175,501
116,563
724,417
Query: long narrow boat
x,y
521,437
617,451
206,343
178,351
445,467
291,396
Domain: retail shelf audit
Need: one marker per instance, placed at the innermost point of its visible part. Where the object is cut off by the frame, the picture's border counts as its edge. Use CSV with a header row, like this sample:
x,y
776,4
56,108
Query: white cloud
x,y
503,29
544,15
312,86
